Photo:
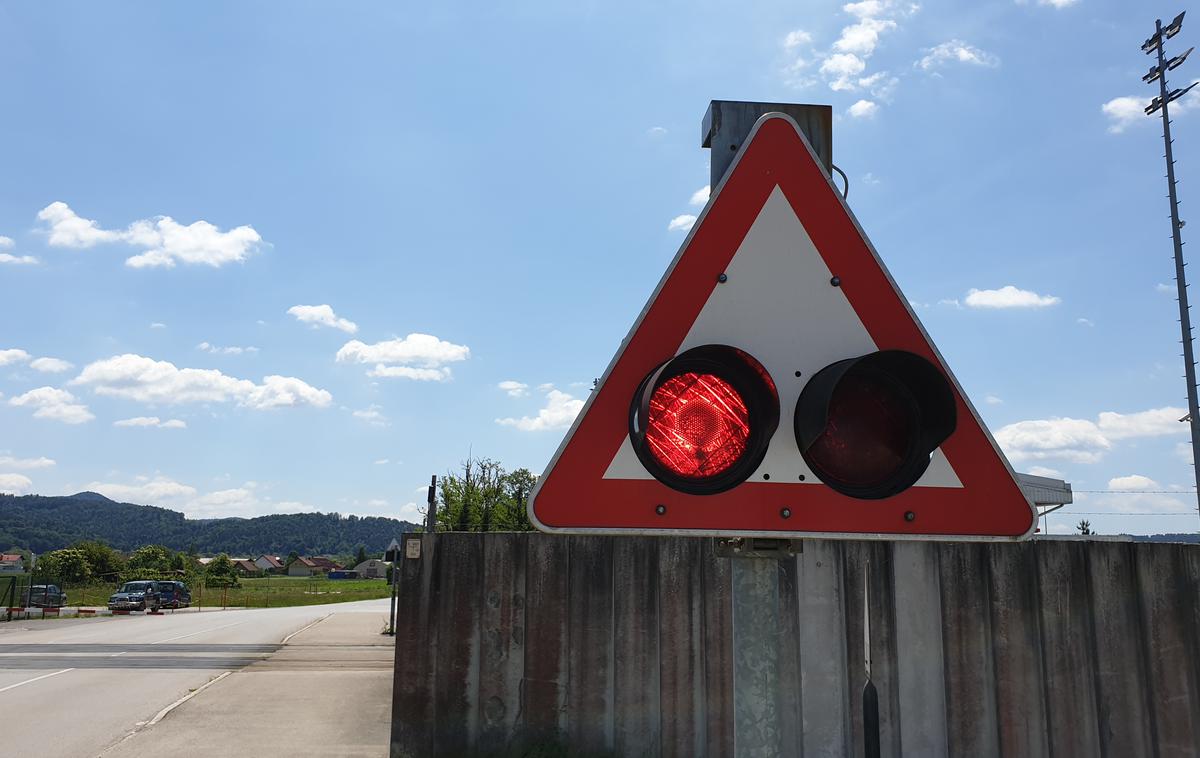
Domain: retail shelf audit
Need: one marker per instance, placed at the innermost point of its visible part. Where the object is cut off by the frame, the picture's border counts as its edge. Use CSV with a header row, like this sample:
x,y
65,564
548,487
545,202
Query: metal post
x,y
431,511
1185,321
759,628
392,605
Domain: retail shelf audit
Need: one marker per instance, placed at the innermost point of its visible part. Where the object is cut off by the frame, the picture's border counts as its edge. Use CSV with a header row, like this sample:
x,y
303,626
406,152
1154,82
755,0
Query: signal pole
x,y
1166,96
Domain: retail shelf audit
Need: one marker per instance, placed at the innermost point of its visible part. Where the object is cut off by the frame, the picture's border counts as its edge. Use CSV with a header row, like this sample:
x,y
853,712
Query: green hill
x,y
48,523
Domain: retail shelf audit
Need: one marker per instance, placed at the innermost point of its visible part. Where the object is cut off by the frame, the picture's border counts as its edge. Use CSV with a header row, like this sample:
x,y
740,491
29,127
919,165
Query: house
x,y
11,563
301,567
372,569
268,563
203,562
307,566
324,565
245,565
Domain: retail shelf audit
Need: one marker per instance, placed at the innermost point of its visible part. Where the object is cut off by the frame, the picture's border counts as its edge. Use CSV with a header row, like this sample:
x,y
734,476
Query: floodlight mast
x,y
1165,97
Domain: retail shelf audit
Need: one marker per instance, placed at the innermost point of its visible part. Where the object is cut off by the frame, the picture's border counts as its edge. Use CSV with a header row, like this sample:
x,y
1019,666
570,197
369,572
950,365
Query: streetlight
x,y
1158,73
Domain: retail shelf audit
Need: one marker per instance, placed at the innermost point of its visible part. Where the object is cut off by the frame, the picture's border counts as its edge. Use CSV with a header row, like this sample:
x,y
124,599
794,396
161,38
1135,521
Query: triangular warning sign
x,y
776,266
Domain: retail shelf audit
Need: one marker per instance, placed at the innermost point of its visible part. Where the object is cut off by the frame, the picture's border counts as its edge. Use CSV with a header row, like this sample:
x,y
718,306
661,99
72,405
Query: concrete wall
x,y
628,647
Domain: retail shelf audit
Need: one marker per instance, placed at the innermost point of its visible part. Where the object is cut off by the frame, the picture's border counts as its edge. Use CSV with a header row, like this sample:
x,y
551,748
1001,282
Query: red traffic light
x,y
866,426
701,422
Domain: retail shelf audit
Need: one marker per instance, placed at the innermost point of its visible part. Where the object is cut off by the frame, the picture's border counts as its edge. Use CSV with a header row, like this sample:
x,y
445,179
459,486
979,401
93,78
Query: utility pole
x,y
1166,96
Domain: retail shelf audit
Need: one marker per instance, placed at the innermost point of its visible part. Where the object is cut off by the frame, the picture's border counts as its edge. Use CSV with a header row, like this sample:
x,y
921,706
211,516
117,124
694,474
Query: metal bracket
x,y
757,547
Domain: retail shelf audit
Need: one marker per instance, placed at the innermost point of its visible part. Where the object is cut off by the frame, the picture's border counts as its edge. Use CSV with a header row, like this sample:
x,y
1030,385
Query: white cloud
x,y
7,461
514,388
421,357
992,400
796,38
1153,423
152,421
841,68
863,109
146,491
871,180
700,196
13,355
956,51
1165,288
1008,297
862,38
157,325
381,462
6,243
1057,3
232,350
558,413
373,415
1085,321
656,131
1133,482
70,230
54,404
410,372
1084,441
1123,112
146,380
15,484
322,315
842,65
681,223
164,240
18,260
50,365
245,501
1045,471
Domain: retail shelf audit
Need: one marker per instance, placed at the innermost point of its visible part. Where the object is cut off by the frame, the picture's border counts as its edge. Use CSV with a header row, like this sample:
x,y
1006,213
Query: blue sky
x,y
302,257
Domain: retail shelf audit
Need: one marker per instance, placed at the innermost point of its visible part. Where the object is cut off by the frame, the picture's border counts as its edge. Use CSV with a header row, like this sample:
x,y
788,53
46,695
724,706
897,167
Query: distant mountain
x,y
1192,538
48,523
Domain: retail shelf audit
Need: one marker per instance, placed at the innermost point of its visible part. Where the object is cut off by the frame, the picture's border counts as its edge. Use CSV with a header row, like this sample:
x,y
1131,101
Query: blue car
x,y
174,595
135,596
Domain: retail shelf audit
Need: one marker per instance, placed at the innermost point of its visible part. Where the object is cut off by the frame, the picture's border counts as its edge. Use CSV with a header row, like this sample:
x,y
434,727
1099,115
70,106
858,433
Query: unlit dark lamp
x,y
867,426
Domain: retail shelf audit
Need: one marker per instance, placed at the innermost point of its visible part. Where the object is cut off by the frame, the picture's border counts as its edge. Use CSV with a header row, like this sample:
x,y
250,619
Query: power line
x,y
1136,492
1110,513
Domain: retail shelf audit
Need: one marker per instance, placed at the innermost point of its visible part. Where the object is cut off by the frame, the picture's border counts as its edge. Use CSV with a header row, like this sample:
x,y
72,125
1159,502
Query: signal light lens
x,y
867,426
700,423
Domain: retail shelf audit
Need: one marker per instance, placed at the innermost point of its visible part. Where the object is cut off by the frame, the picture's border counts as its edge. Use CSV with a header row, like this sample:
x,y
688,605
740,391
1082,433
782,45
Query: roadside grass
x,y
273,592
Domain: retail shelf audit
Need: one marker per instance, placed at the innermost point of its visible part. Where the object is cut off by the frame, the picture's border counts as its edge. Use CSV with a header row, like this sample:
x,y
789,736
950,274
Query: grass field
x,y
275,592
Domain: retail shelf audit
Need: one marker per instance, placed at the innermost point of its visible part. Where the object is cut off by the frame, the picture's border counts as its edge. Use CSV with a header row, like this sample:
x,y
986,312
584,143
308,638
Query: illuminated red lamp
x,y
867,426
701,422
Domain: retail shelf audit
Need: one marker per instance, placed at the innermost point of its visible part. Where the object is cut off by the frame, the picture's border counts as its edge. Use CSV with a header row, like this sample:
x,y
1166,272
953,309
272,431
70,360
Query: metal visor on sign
x,y
868,425
700,423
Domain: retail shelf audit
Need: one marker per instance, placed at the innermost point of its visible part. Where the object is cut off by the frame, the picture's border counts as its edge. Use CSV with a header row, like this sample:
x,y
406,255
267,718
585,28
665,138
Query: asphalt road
x,y
77,687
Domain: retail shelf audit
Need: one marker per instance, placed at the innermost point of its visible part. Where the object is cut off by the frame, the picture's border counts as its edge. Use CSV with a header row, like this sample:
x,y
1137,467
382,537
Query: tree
x,y
1085,527
107,564
149,561
66,566
220,572
361,555
485,498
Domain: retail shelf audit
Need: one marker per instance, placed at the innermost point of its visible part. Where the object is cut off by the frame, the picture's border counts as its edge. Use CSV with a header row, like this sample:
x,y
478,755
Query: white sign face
x,y
412,548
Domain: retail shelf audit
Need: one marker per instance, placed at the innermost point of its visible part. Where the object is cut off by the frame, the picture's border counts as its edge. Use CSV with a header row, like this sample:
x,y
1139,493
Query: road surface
x,y
80,687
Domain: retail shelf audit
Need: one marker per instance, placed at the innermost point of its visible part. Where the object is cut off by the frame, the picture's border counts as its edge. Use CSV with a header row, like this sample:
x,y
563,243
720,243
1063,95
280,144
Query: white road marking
x,y
305,628
193,634
35,679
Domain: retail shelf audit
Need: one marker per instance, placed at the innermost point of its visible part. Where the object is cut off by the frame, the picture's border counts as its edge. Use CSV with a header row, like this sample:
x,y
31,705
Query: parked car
x,y
44,596
135,596
174,595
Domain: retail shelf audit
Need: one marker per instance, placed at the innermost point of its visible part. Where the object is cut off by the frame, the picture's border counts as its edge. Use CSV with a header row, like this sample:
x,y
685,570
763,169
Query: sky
x,y
268,258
